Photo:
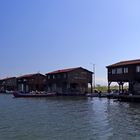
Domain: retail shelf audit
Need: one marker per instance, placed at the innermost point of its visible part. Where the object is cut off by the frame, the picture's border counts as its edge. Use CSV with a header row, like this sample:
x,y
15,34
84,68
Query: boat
x,y
100,95
19,94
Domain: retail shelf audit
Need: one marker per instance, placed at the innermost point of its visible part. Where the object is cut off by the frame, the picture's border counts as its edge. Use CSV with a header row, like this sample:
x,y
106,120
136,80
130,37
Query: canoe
x,y
18,94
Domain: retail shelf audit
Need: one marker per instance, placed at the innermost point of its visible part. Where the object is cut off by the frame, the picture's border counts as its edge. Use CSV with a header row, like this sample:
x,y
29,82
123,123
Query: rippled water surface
x,y
68,118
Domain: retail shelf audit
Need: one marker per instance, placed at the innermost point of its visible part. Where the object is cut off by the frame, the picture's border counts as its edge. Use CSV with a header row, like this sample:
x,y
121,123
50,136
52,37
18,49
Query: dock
x,y
125,98
119,97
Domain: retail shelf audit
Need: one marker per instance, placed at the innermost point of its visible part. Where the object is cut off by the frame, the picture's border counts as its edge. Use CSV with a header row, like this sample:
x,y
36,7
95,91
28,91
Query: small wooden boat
x,y
18,94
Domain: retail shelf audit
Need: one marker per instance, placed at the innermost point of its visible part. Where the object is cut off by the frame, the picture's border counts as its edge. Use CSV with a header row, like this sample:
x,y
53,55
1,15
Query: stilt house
x,y
69,81
31,82
125,71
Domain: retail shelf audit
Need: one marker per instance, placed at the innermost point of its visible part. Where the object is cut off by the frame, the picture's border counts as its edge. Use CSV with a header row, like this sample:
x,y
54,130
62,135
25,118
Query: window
x,y
119,71
49,77
58,76
109,72
65,75
53,76
125,70
24,80
137,68
113,71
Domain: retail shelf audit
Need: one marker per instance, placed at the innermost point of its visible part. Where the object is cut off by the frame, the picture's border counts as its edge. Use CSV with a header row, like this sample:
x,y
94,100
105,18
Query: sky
x,y
46,35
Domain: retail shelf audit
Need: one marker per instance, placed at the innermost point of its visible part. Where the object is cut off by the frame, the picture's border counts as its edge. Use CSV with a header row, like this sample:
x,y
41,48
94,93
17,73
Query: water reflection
x,y
68,118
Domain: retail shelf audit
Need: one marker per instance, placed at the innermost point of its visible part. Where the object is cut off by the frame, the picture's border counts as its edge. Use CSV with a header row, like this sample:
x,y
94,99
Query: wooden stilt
x,y
109,83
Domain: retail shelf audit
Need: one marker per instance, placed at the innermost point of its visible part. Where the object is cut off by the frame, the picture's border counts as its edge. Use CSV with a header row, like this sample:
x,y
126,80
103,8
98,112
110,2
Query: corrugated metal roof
x,y
124,63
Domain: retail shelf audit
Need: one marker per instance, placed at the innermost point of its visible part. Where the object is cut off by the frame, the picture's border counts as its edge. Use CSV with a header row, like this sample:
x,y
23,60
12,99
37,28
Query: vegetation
x,y
105,88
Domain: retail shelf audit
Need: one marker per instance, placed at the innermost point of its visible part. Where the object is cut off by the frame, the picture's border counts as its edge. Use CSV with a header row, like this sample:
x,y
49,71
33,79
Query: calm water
x,y
65,118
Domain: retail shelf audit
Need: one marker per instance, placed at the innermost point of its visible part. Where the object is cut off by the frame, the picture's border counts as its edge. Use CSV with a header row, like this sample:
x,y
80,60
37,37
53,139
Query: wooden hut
x,y
69,81
125,71
31,82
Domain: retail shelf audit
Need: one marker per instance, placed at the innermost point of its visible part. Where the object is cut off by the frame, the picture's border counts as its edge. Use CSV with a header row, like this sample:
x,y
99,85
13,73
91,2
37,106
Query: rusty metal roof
x,y
124,63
